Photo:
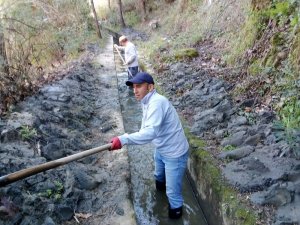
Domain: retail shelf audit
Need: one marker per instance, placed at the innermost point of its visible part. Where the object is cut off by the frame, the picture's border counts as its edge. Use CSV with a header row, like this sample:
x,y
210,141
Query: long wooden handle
x,y
12,177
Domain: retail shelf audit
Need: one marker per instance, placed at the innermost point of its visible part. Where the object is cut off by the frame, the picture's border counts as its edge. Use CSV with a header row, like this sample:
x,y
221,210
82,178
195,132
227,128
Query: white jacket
x,y
161,126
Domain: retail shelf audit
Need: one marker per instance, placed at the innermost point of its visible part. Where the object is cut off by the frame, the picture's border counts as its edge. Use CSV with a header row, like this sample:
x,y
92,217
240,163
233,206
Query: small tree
x,y
120,6
142,7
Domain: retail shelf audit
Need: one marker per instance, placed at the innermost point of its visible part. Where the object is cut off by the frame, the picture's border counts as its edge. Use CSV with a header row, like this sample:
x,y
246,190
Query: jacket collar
x,y
146,99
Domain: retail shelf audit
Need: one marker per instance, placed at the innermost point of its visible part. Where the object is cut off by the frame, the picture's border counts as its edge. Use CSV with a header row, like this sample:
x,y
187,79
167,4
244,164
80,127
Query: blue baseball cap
x,y
139,78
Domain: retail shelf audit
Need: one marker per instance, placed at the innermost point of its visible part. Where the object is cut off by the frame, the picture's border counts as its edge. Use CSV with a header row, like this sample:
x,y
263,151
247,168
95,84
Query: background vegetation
x,y
258,42
36,36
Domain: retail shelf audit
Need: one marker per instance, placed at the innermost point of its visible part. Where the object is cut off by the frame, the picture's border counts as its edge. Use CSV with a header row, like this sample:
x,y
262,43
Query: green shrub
x,y
187,53
131,18
103,12
27,132
54,193
290,113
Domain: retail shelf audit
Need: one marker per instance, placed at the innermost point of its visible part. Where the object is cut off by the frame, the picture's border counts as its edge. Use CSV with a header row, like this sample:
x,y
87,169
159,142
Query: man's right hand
x,y
115,144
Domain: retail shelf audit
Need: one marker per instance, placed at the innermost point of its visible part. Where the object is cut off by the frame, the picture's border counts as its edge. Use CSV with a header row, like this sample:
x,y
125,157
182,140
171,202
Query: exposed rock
x,y
49,221
235,139
237,121
237,153
54,151
8,135
275,195
252,140
64,212
17,120
85,181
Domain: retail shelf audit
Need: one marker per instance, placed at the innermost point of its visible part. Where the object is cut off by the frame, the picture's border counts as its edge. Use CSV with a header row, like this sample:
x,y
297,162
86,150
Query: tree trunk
x,y
121,13
109,6
4,66
142,7
4,73
96,19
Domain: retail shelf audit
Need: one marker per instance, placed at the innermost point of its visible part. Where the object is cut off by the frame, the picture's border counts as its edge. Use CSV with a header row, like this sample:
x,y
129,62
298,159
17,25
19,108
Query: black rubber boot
x,y
175,213
160,186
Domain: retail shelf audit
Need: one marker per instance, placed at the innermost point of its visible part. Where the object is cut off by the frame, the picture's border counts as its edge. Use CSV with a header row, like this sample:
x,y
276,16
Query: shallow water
x,y
151,207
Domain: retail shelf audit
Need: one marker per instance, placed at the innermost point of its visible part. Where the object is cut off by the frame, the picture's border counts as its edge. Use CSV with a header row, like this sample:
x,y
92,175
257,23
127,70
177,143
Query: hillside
x,y
254,45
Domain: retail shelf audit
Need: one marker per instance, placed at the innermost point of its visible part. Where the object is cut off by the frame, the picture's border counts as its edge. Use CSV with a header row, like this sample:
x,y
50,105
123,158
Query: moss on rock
x,y
222,204
186,53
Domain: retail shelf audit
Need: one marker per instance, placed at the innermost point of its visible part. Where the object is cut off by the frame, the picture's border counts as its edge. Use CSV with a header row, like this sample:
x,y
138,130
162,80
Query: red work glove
x,y
116,144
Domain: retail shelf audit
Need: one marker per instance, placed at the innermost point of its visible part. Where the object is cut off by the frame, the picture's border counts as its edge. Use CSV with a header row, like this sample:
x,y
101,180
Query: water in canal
x,y
151,207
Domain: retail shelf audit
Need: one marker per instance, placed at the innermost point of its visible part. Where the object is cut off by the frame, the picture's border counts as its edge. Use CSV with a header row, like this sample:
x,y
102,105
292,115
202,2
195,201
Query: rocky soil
x,y
252,152
250,147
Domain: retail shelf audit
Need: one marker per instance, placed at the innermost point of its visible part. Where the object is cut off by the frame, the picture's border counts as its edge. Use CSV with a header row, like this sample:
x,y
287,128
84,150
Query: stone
x,y
237,153
85,181
17,120
49,221
237,121
64,212
221,133
53,151
180,82
252,140
276,196
235,139
8,135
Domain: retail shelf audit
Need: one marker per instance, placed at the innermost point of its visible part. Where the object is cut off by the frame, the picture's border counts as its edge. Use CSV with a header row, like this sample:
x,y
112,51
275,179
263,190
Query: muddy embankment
x,y
245,149
77,113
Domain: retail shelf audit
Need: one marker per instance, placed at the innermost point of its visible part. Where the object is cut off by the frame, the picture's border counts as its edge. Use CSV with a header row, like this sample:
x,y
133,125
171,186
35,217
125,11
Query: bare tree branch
x,y
96,19
19,21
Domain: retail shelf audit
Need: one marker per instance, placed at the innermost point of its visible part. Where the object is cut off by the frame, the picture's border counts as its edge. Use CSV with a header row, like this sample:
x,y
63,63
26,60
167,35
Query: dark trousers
x,y
133,71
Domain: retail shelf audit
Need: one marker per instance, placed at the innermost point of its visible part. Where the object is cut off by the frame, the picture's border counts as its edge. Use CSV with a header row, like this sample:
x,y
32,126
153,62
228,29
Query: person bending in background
x,y
160,125
131,56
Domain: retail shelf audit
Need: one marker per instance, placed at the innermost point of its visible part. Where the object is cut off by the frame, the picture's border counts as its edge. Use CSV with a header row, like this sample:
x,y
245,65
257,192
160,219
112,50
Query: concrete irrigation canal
x,y
83,110
87,103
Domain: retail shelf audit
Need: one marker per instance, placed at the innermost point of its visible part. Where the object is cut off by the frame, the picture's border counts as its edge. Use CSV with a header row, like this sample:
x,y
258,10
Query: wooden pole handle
x,y
21,174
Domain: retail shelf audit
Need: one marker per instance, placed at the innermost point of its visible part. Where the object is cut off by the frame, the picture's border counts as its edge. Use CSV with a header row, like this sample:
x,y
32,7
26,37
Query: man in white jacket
x,y
161,126
131,56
